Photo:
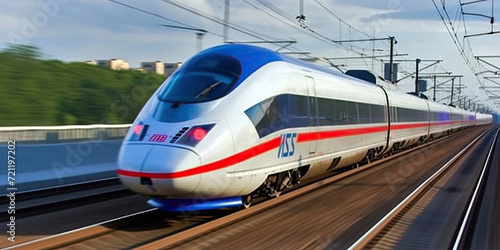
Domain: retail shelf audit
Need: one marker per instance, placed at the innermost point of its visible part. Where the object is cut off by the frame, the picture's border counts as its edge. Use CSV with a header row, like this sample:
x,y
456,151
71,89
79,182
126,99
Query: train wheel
x,y
247,200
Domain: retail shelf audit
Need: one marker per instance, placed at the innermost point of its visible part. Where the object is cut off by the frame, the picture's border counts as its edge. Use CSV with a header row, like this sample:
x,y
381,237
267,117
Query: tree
x,y
34,91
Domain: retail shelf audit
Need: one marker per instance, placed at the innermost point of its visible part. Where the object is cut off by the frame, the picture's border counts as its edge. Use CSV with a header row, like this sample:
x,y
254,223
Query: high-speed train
x,y
238,121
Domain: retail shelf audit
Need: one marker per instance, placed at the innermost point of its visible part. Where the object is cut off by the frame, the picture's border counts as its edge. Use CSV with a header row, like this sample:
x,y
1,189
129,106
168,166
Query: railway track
x,y
124,231
465,232
49,199
388,232
164,230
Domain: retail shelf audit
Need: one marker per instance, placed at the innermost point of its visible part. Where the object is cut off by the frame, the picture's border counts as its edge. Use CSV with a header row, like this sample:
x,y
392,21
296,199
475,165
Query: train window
x,y
326,112
297,113
425,116
201,79
364,113
410,115
286,111
298,105
341,116
377,113
402,114
277,113
352,112
272,112
444,116
258,117
292,111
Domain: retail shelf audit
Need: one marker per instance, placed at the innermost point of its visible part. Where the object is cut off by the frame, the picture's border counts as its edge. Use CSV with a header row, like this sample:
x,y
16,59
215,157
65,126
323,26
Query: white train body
x,y
236,118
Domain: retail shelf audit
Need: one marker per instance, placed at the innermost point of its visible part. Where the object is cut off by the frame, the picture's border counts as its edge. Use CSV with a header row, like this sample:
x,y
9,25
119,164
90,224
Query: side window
x,y
292,111
352,113
297,112
364,113
258,116
377,113
277,113
275,117
326,112
341,116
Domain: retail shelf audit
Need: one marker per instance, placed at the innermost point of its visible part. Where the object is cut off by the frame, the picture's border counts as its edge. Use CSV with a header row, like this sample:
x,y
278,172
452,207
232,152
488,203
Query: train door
x,y
312,112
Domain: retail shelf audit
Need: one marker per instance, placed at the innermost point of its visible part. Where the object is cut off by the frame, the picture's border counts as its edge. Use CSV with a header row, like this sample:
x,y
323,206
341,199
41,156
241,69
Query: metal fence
x,y
63,133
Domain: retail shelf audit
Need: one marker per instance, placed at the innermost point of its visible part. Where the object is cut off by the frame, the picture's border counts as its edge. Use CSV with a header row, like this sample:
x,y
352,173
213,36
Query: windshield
x,y
203,78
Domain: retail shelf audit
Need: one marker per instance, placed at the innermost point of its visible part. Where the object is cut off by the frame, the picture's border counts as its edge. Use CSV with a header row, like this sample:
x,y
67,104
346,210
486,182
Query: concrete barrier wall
x,y
55,156
52,134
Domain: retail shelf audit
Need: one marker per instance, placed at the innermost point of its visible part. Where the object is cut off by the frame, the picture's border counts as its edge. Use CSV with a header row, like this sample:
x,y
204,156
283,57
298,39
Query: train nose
x,y
158,170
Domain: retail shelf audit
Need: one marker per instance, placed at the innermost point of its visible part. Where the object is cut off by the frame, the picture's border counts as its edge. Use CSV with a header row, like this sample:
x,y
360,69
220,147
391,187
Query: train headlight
x,y
199,133
140,130
195,134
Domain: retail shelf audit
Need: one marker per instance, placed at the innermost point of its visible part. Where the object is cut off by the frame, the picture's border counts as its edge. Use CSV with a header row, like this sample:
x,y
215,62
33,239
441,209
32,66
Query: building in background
x,y
114,64
171,67
155,67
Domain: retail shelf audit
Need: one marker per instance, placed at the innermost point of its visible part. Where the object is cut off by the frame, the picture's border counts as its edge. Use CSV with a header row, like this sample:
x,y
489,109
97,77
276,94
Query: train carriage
x,y
439,115
409,119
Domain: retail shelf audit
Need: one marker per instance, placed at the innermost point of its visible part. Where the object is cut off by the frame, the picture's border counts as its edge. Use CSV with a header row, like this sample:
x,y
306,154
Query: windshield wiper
x,y
206,91
203,93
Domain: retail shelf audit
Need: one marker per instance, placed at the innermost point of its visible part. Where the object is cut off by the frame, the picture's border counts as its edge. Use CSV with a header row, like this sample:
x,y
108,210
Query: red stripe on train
x,y
270,145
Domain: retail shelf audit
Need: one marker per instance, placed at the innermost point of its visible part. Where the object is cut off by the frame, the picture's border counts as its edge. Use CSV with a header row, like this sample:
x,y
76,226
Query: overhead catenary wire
x,y
183,25
161,16
458,26
314,33
241,29
289,20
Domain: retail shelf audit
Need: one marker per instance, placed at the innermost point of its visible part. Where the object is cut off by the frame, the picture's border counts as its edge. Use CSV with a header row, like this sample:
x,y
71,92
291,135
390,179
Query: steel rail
x,y
459,240
76,235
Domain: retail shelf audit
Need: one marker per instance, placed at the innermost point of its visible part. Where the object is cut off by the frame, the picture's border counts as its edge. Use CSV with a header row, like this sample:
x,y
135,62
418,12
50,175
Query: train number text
x,y
158,138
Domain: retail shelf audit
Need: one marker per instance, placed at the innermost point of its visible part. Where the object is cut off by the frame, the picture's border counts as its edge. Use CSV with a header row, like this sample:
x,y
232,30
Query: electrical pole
x,y
417,62
391,60
434,96
199,39
226,20
391,39
452,87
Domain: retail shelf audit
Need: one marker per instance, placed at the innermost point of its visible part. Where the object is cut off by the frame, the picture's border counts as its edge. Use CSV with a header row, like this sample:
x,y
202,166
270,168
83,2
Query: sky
x,y
80,30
